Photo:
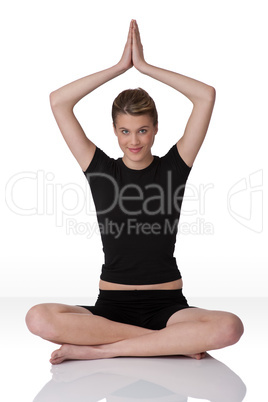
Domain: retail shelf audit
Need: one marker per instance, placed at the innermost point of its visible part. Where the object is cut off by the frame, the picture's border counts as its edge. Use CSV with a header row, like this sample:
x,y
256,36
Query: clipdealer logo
x,y
37,193
245,201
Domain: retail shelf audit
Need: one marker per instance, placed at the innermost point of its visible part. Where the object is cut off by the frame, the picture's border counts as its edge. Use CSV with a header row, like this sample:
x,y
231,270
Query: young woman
x,y
141,310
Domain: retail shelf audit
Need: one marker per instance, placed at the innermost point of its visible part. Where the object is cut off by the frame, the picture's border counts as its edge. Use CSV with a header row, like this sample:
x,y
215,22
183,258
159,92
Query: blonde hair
x,y
135,102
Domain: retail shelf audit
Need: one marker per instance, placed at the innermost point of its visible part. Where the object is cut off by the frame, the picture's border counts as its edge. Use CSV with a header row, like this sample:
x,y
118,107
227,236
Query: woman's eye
x,y
142,131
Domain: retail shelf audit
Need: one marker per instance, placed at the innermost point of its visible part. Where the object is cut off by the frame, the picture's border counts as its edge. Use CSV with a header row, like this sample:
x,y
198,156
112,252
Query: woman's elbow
x,y
54,99
211,95
57,101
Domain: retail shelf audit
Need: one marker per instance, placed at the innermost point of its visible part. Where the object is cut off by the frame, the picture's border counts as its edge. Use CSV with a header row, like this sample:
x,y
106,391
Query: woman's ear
x,y
156,129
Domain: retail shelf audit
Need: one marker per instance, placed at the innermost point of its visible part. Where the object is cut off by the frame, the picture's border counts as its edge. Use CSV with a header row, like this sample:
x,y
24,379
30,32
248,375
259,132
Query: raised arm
x,y
201,95
64,99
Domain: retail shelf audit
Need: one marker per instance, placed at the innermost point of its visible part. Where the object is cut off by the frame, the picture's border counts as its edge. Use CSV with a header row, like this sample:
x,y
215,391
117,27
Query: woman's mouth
x,y
135,150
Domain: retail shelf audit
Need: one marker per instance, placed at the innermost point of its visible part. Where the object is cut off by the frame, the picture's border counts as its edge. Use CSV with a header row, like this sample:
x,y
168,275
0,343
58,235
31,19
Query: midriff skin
x,y
103,285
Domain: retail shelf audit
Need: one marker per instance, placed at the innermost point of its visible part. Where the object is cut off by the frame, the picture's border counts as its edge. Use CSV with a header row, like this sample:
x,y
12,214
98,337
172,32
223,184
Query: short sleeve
x,y
100,175
98,163
174,159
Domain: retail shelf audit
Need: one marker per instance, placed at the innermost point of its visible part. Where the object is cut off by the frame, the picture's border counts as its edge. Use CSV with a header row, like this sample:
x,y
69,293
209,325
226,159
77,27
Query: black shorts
x,y
144,308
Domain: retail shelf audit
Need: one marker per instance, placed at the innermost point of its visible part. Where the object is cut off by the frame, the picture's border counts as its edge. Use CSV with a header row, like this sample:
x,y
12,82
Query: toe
x,y
56,355
56,360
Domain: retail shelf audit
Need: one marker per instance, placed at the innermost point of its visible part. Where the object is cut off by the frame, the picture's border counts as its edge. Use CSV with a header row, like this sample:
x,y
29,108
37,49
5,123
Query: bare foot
x,y
77,352
197,356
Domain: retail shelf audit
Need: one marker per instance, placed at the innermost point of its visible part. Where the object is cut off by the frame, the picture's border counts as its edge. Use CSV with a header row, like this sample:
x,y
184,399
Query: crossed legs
x,y
86,336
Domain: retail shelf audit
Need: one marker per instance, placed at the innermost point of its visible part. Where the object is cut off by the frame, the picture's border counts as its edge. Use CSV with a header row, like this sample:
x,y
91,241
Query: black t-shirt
x,y
138,213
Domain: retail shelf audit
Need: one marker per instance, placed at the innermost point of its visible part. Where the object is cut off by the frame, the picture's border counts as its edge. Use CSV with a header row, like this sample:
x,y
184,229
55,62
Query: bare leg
x,y
189,337
63,324
188,332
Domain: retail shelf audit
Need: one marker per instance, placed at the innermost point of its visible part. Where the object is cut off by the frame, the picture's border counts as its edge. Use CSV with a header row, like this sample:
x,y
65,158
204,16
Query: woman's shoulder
x,y
174,161
101,162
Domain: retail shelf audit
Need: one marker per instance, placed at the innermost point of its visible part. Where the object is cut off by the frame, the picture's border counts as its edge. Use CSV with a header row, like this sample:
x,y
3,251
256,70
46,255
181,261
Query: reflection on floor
x,y
166,379
230,375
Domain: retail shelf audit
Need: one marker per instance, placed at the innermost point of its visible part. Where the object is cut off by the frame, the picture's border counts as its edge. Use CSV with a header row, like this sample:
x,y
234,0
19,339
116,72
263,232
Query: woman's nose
x,y
134,139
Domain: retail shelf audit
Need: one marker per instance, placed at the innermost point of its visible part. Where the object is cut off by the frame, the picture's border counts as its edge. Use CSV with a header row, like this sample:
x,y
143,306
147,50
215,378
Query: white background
x,y
46,45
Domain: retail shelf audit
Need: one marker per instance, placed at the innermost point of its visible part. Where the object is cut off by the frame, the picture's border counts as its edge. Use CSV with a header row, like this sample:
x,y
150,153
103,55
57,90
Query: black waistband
x,y
128,295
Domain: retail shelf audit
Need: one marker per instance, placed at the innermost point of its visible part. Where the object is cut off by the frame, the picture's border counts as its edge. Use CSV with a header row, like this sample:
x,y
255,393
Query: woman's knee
x,y
40,321
230,329
236,328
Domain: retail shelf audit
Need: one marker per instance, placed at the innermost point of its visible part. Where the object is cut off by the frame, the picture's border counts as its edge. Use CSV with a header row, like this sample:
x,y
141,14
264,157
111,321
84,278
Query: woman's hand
x,y
137,48
133,51
126,59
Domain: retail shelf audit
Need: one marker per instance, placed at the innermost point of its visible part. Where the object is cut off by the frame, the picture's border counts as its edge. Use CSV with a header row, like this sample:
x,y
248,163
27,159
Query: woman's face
x,y
135,136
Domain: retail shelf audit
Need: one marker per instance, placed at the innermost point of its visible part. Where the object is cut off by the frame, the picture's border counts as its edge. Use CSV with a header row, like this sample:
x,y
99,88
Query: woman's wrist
x,y
121,68
142,67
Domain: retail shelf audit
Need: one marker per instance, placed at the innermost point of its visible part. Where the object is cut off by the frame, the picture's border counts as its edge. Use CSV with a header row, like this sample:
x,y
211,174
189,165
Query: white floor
x,y
234,374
